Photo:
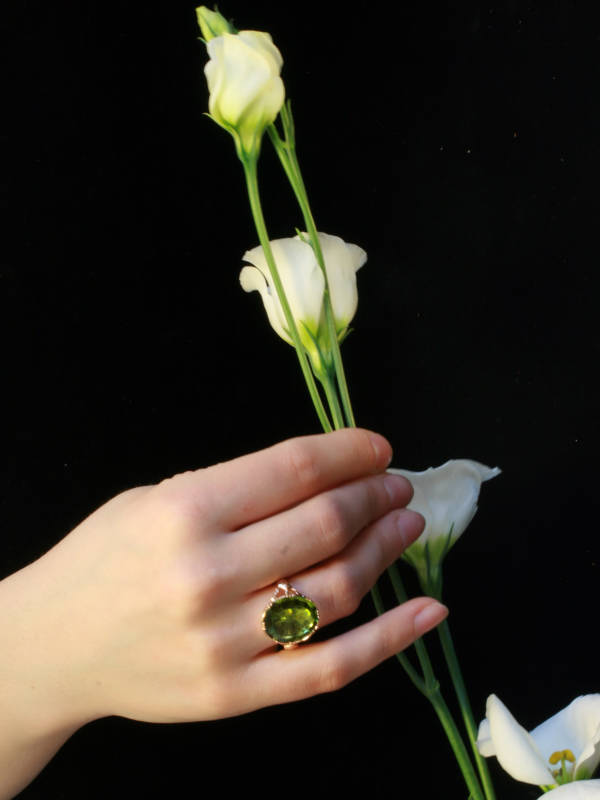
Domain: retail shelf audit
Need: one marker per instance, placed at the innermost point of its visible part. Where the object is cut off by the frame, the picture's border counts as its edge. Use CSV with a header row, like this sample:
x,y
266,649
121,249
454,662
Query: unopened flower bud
x,y
212,23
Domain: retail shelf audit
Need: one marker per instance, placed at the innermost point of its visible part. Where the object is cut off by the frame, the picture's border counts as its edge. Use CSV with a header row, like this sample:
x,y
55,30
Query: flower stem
x,y
250,172
422,654
332,398
286,150
433,694
402,658
465,706
456,743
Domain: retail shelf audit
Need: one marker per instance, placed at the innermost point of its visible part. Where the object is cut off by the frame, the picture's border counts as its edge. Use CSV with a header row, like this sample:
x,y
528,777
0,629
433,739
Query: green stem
x,y
402,658
420,647
434,695
456,743
465,706
289,160
250,172
332,399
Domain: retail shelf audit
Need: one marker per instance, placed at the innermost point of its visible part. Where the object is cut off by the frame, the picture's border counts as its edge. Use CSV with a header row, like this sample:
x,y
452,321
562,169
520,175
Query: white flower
x,y
580,790
447,497
246,92
564,748
304,286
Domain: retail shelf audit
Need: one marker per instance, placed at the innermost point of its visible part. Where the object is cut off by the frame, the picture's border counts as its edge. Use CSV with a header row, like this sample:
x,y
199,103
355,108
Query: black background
x,y
459,147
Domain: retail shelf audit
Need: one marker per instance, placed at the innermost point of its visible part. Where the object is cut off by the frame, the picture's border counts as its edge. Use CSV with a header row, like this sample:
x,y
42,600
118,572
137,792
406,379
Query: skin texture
x,y
150,609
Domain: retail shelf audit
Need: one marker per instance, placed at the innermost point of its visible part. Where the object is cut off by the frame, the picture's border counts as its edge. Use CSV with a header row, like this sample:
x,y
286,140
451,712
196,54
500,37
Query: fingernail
x,y
429,617
383,451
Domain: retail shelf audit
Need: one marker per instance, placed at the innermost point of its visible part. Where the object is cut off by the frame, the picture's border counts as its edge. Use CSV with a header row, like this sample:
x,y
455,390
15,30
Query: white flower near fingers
x,y
580,790
243,76
562,749
304,286
447,497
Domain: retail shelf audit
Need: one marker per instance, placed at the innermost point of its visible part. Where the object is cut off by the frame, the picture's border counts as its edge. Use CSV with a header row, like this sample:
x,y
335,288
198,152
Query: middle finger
x,y
317,529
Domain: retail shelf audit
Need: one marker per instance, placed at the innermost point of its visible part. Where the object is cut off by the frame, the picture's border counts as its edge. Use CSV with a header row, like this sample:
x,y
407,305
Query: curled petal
x,y
302,282
252,279
485,745
515,749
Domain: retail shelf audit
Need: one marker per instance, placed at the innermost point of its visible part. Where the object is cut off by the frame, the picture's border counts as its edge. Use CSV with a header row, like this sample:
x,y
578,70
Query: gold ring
x,y
290,618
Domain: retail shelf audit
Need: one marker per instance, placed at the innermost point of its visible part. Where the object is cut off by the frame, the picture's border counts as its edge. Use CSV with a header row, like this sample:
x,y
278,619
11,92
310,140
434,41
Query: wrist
x,y
40,693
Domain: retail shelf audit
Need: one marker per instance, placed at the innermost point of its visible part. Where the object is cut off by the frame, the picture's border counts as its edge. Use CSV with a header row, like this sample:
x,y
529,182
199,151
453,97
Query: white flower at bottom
x,y
564,748
580,790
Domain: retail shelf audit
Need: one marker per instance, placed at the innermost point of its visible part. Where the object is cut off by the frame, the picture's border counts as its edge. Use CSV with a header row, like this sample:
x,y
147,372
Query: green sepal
x,y
324,363
212,23
344,334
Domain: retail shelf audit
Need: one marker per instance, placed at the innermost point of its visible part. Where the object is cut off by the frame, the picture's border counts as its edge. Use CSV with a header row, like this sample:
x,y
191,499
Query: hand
x,y
151,608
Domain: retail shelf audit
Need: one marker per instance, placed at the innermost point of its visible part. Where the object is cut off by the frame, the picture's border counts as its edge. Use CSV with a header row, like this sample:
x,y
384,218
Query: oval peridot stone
x,y
291,619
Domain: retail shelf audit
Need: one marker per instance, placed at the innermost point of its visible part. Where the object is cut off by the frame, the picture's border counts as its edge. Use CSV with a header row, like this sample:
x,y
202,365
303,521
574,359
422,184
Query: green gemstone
x,y
291,619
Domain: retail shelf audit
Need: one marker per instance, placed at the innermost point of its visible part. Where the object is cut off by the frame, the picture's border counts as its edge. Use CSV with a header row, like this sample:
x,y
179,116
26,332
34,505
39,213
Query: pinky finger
x,y
285,676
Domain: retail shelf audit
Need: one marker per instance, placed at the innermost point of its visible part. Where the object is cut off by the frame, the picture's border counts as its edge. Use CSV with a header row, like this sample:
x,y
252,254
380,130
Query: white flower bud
x,y
246,92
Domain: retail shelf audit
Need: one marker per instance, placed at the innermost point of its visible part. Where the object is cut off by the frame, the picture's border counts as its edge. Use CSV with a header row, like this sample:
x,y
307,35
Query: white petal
x,y
263,44
447,496
252,279
516,750
237,79
576,728
342,261
485,745
578,790
300,275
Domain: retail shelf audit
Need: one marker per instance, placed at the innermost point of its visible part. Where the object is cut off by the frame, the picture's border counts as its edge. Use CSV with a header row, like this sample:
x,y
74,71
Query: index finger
x,y
258,485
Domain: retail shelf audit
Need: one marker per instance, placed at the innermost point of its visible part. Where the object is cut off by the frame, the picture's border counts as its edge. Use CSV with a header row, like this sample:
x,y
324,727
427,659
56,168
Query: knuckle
x,y
179,505
375,496
333,674
331,522
345,591
192,591
302,462
211,582
216,652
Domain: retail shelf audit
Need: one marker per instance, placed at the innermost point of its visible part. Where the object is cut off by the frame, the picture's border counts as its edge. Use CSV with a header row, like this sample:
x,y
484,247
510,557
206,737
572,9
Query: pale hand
x,y
151,608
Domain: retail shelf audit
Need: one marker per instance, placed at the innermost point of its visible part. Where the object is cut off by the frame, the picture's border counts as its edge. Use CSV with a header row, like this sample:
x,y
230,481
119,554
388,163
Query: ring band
x,y
290,618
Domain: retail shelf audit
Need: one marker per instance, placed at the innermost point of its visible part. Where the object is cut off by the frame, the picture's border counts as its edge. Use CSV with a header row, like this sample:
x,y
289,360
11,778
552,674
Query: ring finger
x,y
337,585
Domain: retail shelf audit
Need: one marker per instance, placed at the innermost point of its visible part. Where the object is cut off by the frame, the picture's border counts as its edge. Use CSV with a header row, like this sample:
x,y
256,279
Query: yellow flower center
x,y
562,755
564,774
